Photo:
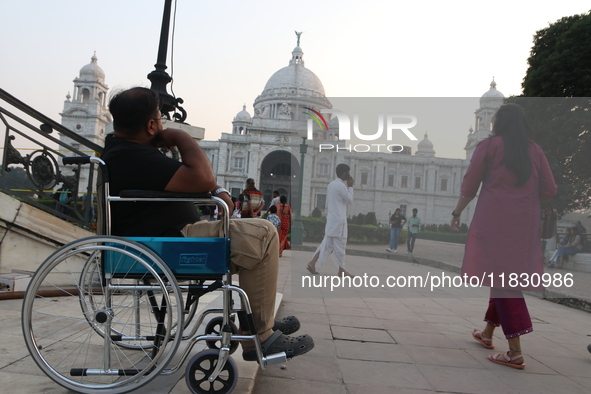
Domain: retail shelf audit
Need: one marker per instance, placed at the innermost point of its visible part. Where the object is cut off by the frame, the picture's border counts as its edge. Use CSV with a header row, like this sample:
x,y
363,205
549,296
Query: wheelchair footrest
x,y
120,338
274,359
102,372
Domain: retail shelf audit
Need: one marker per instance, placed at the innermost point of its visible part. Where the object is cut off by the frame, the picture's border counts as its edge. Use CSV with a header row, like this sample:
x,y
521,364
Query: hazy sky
x,y
225,51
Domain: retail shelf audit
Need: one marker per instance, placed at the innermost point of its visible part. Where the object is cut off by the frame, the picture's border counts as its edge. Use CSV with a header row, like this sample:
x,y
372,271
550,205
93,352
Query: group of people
x,y
513,176
397,222
251,204
510,171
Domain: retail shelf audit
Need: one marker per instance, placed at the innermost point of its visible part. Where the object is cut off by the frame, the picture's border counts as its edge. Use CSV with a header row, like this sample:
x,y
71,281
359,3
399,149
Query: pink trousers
x,y
507,308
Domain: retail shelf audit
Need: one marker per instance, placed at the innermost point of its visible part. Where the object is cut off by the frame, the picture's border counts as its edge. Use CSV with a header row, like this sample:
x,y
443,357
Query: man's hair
x,y
250,181
132,109
276,192
273,209
415,210
341,169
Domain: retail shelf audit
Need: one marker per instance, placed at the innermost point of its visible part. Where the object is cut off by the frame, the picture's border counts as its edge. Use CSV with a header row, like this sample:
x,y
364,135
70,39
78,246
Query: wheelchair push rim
x,y
70,350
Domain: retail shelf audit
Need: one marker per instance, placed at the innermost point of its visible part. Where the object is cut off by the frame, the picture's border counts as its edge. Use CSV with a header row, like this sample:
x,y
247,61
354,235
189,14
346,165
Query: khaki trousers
x,y
254,254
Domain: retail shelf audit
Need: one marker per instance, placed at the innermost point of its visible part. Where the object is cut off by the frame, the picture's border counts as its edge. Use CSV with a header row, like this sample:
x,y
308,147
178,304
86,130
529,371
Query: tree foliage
x,y
316,213
16,179
560,67
363,219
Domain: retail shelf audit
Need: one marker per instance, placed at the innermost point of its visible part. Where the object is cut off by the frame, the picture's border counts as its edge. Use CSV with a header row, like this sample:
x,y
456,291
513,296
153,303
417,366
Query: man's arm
x,y
346,193
255,211
224,195
195,175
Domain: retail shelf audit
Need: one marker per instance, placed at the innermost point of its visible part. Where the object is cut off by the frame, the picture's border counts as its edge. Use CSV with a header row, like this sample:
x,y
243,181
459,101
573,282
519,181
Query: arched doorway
x,y
279,171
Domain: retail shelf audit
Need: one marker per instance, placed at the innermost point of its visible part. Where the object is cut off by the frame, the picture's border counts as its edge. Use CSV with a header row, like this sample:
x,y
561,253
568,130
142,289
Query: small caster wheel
x,y
215,327
200,368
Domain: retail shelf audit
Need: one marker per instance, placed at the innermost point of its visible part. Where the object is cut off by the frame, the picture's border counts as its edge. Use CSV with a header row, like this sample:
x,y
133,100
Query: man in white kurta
x,y
339,196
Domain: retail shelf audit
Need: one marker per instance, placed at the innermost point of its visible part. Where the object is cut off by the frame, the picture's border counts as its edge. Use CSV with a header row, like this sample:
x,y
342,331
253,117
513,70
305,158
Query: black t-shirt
x,y
397,221
142,167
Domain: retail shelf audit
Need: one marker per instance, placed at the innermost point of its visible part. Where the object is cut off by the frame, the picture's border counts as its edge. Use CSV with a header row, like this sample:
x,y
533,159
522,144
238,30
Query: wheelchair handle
x,y
82,160
87,160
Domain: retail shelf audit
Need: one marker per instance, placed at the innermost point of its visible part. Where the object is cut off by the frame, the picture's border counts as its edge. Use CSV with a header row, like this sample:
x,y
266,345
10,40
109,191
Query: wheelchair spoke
x,y
75,317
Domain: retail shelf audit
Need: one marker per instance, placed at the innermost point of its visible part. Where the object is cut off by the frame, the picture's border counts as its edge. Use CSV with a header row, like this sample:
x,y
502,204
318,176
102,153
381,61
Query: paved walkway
x,y
384,340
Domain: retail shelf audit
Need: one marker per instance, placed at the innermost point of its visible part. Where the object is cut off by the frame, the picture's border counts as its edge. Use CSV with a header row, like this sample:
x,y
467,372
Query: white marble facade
x,y
86,112
266,147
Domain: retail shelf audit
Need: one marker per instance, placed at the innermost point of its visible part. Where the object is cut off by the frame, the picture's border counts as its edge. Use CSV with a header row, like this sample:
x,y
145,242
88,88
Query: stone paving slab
x,y
432,350
425,345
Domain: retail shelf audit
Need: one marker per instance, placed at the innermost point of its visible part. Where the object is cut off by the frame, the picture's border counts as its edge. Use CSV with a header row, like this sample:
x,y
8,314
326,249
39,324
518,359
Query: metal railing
x,y
31,169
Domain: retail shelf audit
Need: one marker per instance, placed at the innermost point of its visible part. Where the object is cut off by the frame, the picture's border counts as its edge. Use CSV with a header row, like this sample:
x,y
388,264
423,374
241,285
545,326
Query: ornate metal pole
x,y
159,77
297,229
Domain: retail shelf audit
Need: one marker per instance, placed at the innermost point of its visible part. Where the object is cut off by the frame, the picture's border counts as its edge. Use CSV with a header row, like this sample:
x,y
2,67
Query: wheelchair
x,y
108,313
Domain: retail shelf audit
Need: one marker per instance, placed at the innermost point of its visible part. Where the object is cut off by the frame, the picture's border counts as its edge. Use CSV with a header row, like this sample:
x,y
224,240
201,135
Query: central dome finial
x,y
297,54
299,34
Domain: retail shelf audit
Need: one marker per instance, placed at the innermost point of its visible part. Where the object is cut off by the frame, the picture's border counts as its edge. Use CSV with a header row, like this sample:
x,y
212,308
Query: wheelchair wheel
x,y
215,327
200,368
77,355
92,299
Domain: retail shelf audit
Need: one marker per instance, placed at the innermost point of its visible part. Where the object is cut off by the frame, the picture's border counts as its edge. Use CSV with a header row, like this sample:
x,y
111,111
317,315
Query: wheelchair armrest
x,y
160,194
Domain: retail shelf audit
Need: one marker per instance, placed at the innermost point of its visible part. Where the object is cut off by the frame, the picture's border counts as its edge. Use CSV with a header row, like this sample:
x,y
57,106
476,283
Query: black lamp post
x,y
160,78
297,229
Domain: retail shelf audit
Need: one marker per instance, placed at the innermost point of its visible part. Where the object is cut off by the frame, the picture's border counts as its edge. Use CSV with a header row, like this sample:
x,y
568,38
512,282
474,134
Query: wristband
x,y
220,190
454,214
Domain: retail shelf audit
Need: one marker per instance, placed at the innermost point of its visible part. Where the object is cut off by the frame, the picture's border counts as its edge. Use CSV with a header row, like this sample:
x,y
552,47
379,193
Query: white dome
x,y
92,71
287,93
492,98
425,147
295,76
243,116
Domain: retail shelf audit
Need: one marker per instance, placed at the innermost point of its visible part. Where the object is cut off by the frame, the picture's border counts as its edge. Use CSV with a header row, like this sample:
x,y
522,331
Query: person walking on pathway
x,y
515,176
397,221
285,214
414,225
339,196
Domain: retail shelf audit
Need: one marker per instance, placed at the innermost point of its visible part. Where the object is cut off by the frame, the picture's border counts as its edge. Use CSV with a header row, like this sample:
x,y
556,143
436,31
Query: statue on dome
x,y
298,34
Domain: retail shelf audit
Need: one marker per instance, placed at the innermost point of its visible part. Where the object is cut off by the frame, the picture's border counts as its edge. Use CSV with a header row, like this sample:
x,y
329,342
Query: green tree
x,y
316,213
560,67
370,218
359,219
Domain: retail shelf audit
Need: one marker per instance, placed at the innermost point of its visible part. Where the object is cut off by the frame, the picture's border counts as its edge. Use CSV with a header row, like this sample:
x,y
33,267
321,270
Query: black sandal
x,y
278,342
287,325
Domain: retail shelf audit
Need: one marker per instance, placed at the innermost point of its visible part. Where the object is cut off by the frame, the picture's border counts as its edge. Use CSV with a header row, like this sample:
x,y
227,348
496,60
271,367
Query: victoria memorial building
x,y
264,143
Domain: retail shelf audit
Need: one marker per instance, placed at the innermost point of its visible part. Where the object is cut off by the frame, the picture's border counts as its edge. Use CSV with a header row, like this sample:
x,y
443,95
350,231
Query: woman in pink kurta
x,y
503,240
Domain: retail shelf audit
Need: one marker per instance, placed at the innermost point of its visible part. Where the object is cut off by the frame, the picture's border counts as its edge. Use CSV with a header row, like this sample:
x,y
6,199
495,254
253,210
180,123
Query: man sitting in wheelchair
x,y
135,162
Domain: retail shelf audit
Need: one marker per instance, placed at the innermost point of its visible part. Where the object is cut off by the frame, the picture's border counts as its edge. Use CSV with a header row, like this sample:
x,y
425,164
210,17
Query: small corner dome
x,y
92,70
243,116
492,96
425,147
